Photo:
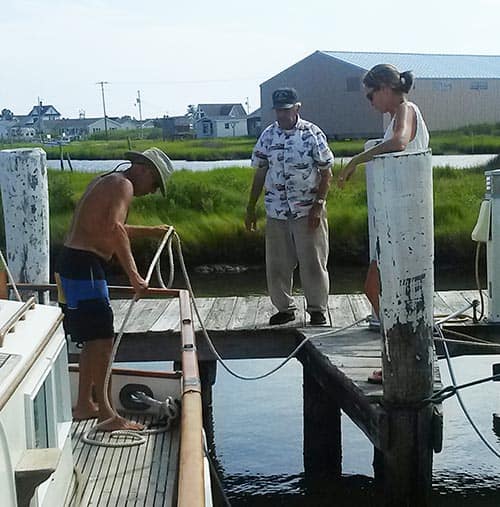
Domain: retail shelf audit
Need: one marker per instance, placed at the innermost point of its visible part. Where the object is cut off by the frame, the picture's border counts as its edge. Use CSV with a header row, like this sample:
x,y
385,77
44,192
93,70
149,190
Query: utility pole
x,y
40,118
247,103
102,83
138,102
139,105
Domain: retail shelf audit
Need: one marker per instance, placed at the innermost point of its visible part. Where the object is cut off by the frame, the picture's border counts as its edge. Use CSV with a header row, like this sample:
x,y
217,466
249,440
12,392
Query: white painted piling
x,y
25,200
404,244
403,236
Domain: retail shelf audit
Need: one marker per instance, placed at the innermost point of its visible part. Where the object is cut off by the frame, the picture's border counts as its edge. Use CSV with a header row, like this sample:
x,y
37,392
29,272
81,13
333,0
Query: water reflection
x,y
258,443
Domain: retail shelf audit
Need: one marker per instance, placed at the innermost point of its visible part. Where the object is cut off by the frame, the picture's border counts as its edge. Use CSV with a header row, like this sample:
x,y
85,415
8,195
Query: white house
x,y
48,112
99,125
220,120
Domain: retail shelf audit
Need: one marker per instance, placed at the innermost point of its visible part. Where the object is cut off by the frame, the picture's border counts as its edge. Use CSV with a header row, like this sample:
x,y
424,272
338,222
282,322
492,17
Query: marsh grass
x,y
208,209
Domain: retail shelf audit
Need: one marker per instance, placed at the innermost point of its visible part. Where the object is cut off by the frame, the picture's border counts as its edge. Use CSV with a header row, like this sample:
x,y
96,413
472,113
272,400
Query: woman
x,y
386,89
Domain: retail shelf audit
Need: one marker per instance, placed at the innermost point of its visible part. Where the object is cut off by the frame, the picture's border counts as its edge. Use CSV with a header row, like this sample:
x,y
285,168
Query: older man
x,y
293,162
97,233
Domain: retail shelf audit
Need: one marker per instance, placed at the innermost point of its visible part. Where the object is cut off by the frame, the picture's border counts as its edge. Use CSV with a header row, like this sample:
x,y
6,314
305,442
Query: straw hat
x,y
158,159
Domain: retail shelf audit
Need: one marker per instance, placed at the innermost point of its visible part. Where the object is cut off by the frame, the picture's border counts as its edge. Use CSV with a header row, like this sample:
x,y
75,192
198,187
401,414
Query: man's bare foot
x,y
82,413
119,423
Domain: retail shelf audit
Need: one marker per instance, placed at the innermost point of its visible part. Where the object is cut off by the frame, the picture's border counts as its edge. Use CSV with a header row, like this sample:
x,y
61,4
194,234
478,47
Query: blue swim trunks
x,y
83,295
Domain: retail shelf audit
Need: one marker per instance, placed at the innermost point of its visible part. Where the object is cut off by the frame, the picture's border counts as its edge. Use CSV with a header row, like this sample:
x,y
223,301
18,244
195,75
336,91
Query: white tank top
x,y
421,139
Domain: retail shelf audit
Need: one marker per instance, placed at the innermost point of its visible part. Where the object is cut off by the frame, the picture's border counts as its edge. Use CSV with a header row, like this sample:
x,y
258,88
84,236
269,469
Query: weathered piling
x,y
25,199
322,430
403,228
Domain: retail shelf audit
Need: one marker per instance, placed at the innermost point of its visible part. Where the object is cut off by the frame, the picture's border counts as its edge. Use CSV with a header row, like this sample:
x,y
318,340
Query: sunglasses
x,y
370,94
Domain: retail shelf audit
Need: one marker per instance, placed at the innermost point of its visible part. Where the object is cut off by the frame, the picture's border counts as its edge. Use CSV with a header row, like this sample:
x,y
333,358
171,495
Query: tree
x,y
6,114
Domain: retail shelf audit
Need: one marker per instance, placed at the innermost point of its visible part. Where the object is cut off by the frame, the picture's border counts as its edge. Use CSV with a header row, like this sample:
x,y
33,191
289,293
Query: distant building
x,y
23,133
78,128
220,120
48,112
254,123
451,90
176,127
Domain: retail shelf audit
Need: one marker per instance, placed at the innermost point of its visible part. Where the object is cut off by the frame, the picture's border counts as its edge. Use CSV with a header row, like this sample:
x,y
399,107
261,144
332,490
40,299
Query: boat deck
x,y
144,475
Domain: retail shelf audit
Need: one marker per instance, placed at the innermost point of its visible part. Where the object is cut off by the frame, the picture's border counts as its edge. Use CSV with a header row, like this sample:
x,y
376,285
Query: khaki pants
x,y
288,243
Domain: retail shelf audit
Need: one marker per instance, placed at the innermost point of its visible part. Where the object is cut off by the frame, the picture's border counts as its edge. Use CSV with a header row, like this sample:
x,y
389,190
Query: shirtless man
x,y
98,232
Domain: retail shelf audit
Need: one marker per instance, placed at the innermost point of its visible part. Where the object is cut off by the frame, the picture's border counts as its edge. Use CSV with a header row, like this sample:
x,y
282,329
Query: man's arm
x,y
319,203
145,231
123,194
257,186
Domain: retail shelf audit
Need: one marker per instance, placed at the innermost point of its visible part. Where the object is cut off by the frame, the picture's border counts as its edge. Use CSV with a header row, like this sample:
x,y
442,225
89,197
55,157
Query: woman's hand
x,y
346,173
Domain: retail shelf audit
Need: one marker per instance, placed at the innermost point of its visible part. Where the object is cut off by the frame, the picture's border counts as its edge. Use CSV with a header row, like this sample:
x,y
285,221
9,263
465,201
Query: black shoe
x,y
317,319
281,318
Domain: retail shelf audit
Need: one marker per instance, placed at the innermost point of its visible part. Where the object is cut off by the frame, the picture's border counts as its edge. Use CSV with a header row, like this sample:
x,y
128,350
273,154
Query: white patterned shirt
x,y
294,159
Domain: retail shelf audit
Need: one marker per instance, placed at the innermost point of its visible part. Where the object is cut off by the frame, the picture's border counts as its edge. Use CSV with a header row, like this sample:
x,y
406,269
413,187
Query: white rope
x,y
137,436
459,398
11,278
212,346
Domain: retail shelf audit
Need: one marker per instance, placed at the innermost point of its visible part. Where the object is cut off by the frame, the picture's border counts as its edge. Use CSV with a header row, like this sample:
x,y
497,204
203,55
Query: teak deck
x,y
144,475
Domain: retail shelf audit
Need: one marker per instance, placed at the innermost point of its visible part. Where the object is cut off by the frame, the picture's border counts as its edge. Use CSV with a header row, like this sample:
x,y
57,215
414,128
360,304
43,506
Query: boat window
x,y
40,418
61,385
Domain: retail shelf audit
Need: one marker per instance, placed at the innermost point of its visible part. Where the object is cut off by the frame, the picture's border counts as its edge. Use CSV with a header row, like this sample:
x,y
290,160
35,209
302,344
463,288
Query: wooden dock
x,y
336,362
239,327
251,313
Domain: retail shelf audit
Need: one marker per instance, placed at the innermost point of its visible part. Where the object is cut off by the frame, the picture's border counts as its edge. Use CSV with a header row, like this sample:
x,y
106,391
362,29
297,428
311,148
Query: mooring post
x,y
25,199
322,430
403,227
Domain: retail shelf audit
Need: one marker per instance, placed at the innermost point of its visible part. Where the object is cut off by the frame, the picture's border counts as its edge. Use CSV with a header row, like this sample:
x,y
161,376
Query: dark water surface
x,y
258,443
257,439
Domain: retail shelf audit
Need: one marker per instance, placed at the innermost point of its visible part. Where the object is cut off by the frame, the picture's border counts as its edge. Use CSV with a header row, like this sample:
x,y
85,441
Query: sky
x,y
195,52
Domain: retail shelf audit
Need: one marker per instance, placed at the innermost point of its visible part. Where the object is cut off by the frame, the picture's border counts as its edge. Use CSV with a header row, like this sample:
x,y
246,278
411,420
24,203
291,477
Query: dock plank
x,y
340,309
204,305
220,314
169,320
361,307
244,314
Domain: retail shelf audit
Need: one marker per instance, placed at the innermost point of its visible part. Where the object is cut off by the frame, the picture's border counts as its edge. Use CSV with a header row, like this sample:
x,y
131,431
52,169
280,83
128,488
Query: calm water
x,y
258,432
459,161
258,443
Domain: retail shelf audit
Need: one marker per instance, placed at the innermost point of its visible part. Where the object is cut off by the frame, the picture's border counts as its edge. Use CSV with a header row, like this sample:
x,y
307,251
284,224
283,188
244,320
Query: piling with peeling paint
x,y
25,200
402,200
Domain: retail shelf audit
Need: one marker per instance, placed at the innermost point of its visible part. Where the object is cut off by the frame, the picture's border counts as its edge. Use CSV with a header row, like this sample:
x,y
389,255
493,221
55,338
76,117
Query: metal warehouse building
x,y
451,90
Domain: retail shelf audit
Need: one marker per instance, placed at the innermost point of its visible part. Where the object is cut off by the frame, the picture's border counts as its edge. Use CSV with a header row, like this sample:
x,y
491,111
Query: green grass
x,y
208,209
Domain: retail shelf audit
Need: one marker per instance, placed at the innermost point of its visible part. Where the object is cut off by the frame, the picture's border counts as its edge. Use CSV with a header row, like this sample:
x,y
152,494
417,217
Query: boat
x,y
45,461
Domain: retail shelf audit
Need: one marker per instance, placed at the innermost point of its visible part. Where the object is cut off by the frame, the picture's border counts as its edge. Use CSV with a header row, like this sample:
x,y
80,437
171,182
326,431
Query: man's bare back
x,y
103,206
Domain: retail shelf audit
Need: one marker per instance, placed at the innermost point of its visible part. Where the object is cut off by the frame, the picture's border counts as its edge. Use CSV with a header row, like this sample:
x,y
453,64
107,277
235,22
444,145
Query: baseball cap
x,y
285,98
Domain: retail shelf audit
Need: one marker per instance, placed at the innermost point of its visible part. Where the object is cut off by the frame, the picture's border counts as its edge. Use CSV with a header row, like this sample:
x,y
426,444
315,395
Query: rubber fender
x,y
437,428
128,401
